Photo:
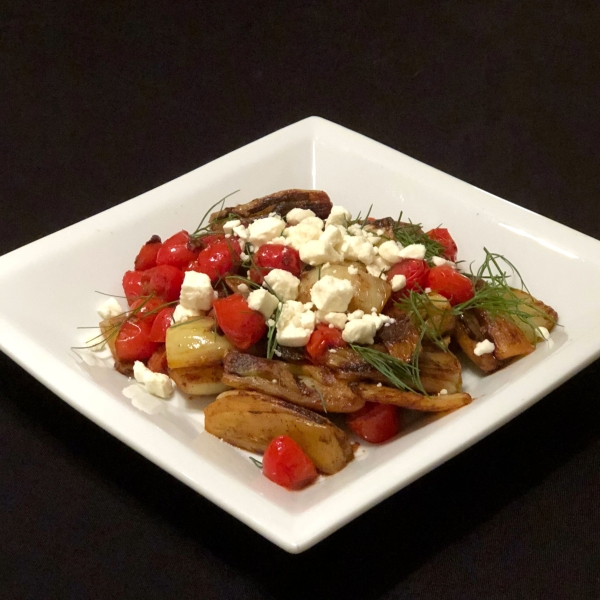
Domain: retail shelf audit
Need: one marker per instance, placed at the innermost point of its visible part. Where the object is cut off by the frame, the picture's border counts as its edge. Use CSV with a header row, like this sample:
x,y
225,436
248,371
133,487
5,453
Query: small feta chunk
x,y
317,252
229,226
331,294
358,248
262,301
338,216
359,331
332,236
398,282
283,283
241,232
413,251
181,314
307,230
110,308
357,314
196,291
295,324
545,334
443,392
156,384
242,288
264,230
390,251
352,270
296,215
485,347
378,266
335,319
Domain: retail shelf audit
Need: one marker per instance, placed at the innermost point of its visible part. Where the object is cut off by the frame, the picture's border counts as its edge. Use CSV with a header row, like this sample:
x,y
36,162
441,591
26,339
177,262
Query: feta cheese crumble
x,y
264,230
295,324
110,308
338,216
331,294
156,384
181,314
296,215
262,301
485,347
196,291
283,283
416,251
398,282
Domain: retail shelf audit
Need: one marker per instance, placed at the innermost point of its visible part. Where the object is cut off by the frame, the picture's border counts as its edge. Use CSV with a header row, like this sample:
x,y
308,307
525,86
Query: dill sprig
x,y
403,375
271,333
426,314
412,233
256,462
202,229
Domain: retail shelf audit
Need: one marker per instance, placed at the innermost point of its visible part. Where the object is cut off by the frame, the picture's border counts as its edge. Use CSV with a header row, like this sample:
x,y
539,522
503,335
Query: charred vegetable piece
x,y
108,328
250,420
280,203
439,371
305,385
199,381
468,334
412,400
542,315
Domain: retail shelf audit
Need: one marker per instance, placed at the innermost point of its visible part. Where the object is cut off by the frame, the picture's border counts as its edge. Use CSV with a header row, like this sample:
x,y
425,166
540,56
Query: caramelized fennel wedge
x,y
250,420
199,381
305,385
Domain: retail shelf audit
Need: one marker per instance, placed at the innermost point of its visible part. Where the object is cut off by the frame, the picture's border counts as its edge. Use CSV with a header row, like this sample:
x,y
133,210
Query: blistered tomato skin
x,y
133,341
161,323
146,308
146,258
164,281
451,284
323,338
277,256
218,260
175,251
442,235
415,272
240,324
132,286
375,423
286,464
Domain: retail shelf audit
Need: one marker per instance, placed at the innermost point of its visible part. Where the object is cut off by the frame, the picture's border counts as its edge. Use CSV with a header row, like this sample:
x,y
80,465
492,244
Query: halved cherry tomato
x,y
146,258
161,323
442,235
278,256
451,284
208,240
158,361
242,325
219,259
375,423
176,252
132,285
133,341
415,272
286,464
257,275
164,281
322,339
146,308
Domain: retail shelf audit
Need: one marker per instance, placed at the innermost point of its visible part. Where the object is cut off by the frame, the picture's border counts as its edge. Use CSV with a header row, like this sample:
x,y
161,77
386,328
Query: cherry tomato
x,y
451,284
257,275
277,256
218,259
132,285
375,423
286,464
164,281
441,235
175,251
158,361
146,308
322,339
415,272
208,240
161,323
146,258
133,341
242,325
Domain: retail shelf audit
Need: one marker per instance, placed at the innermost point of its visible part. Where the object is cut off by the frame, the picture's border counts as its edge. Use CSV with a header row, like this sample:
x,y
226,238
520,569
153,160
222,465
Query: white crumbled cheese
x,y
398,282
357,314
443,392
331,294
338,216
229,226
110,308
380,384
485,347
390,251
352,270
413,251
295,324
243,288
296,215
156,384
545,334
357,229
359,331
317,252
264,230
332,236
438,261
358,248
241,232
304,232
279,240
244,256
333,319
271,323
262,301
182,314
196,291
427,290
283,283
378,266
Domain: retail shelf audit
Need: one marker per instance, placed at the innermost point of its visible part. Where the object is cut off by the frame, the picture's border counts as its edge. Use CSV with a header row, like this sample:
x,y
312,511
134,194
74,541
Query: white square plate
x,y
56,278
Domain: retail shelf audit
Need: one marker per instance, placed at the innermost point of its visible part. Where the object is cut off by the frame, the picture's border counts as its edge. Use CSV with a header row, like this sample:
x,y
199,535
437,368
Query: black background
x,y
103,101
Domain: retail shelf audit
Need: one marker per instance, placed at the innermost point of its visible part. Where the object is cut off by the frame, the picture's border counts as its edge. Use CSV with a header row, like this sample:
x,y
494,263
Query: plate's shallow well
x,y
62,272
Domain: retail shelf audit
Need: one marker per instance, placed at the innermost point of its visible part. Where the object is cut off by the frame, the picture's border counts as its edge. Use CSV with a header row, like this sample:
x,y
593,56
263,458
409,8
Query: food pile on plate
x,y
292,310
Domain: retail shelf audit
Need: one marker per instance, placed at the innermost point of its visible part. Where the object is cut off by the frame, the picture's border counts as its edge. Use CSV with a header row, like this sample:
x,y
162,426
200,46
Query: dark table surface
x,y
103,101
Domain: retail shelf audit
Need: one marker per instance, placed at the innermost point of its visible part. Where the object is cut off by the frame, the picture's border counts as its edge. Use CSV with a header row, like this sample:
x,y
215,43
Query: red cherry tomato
x,y
146,308
322,339
132,285
277,256
158,361
441,235
375,423
133,341
218,259
208,240
161,323
451,284
286,464
257,275
146,258
164,281
175,251
415,272
242,325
